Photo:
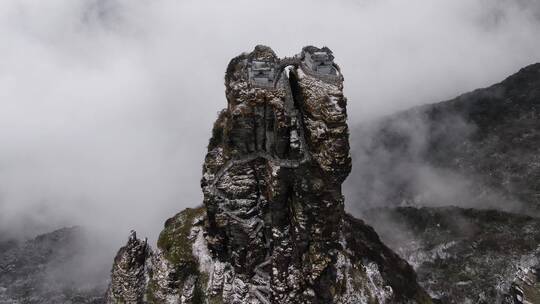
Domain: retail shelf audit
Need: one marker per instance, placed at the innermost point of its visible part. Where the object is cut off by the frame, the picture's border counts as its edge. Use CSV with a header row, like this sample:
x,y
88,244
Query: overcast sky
x,y
106,106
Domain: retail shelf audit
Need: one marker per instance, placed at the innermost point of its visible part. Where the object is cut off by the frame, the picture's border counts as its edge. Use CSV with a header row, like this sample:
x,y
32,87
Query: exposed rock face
x,y
467,255
129,274
51,268
273,227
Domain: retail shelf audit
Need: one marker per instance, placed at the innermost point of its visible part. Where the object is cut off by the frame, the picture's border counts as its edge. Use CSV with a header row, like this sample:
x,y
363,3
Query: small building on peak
x,y
262,65
262,73
319,60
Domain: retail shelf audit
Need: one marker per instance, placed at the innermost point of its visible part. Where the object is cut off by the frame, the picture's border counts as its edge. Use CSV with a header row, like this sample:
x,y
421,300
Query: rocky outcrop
x,y
129,275
273,227
467,255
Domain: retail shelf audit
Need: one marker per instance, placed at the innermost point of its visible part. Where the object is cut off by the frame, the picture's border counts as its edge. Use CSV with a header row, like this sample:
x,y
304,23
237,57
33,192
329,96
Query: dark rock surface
x,y
273,227
466,255
44,270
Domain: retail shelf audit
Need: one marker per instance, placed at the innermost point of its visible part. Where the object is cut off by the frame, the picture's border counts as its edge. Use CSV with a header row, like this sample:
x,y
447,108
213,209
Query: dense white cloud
x,y
106,105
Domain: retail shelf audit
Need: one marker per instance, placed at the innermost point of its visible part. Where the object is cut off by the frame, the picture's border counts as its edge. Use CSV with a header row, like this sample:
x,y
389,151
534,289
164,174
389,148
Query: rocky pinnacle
x,y
273,227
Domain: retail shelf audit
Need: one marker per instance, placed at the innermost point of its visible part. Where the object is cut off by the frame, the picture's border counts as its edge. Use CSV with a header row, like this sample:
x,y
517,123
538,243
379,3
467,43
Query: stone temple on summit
x,y
320,61
262,73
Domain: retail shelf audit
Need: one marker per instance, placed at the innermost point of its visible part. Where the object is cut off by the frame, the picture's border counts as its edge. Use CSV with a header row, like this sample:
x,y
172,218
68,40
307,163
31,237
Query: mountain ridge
x,y
451,185
482,146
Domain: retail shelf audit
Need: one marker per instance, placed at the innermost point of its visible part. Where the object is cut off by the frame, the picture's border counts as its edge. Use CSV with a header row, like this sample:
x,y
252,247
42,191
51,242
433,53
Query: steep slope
x,y
467,255
480,150
273,227
43,270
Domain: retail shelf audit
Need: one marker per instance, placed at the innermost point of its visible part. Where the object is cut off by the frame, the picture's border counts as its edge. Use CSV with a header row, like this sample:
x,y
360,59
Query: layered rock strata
x,y
273,227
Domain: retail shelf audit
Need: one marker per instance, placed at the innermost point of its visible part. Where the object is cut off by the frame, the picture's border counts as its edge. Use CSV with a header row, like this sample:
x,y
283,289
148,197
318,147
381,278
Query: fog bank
x,y
106,106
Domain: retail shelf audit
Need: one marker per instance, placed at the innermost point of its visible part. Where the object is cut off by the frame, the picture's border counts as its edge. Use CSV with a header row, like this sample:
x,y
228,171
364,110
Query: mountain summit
x,y
273,227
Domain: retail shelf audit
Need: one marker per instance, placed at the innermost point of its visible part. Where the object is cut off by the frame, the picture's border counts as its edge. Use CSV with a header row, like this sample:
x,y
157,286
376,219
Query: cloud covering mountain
x,y
105,105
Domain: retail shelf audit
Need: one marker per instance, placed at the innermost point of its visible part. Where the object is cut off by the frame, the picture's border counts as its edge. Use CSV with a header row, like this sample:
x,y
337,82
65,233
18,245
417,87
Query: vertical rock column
x,y
239,170
272,182
317,205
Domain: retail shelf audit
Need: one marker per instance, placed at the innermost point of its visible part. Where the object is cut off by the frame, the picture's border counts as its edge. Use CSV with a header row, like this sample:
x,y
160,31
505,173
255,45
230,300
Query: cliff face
x,y
273,227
